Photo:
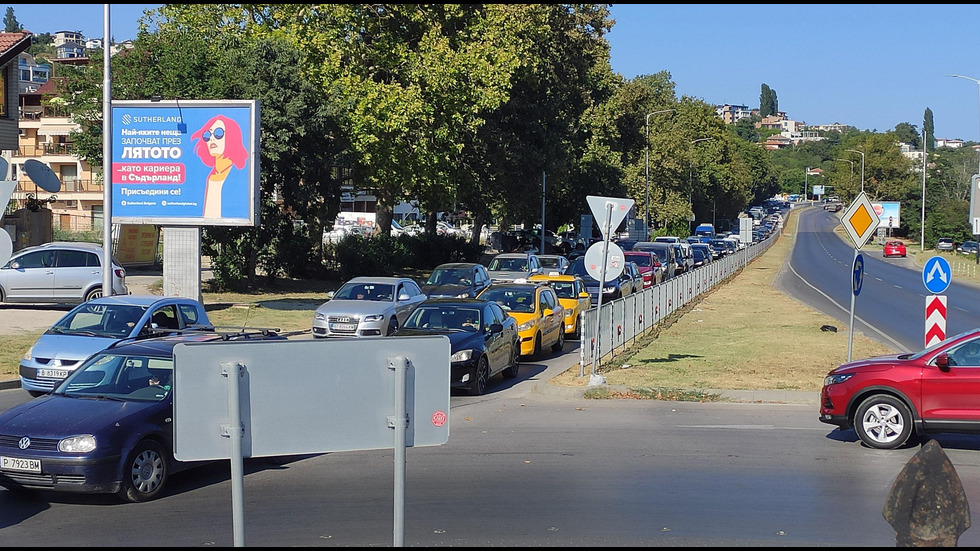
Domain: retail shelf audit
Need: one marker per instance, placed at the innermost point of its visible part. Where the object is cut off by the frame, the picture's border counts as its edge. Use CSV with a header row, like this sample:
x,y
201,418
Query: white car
x,y
367,307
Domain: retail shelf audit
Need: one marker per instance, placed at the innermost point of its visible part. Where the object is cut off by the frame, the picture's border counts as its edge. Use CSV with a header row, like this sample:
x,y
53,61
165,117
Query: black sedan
x,y
457,280
107,428
483,339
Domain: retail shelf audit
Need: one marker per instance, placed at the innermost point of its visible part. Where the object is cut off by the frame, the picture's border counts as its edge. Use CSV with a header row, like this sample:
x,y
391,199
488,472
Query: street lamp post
x,y
648,164
862,166
978,90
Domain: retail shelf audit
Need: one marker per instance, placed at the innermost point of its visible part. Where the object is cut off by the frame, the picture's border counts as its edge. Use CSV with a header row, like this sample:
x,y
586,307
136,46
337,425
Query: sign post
x,y
936,276
609,212
860,222
974,220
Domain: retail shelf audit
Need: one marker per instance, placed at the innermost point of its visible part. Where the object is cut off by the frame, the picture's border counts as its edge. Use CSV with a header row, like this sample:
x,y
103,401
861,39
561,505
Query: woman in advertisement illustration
x,y
220,147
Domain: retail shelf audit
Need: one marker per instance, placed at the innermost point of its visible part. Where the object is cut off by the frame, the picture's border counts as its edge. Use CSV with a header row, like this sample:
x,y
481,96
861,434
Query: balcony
x,y
42,149
68,186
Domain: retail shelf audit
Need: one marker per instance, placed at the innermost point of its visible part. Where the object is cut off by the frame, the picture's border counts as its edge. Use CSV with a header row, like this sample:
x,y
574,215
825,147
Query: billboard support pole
x,y
107,271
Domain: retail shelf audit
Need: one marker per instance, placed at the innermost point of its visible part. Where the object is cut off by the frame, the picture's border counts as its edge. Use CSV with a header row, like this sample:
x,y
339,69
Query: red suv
x,y
887,399
650,267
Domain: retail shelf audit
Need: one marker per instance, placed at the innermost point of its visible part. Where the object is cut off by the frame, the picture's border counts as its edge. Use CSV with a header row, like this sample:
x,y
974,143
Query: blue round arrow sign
x,y
858,271
936,275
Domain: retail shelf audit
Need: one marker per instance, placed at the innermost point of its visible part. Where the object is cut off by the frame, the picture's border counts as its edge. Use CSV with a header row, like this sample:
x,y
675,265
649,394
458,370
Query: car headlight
x,y
29,355
525,326
463,295
461,356
77,444
609,290
374,317
835,379
319,316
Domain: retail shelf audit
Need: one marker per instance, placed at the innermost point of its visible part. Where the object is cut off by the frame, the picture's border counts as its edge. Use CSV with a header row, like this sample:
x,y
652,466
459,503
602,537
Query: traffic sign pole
x,y
602,285
857,269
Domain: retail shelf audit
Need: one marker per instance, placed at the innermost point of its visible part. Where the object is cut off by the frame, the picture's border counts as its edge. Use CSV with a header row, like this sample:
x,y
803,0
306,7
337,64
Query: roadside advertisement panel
x,y
888,213
189,163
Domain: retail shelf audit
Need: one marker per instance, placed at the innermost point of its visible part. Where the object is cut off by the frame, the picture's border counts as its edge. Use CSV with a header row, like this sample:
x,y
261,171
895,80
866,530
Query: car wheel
x,y
144,473
392,327
577,333
883,422
536,352
558,346
479,384
515,361
96,292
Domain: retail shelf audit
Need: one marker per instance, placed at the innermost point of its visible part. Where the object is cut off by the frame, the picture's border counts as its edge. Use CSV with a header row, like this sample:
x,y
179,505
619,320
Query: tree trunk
x,y
430,222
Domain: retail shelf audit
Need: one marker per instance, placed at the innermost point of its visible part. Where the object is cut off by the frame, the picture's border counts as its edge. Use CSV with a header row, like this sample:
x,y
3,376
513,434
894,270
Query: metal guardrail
x,y
622,322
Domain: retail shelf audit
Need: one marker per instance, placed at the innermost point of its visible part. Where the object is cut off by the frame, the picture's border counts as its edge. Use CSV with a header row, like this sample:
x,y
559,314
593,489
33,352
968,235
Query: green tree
x,y
907,133
10,23
768,104
929,128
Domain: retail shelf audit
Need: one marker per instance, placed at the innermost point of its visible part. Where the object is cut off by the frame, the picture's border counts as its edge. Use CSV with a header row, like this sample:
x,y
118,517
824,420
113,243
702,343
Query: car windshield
x,y
508,265
108,376
641,260
100,320
449,276
511,299
365,291
940,344
549,262
445,317
564,289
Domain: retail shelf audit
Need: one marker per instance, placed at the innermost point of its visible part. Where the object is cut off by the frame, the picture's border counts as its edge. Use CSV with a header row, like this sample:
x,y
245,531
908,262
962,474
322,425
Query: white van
x,y
666,239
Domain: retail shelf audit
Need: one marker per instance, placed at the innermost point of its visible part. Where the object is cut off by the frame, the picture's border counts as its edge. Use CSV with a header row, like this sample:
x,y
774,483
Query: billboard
x,y
185,162
888,213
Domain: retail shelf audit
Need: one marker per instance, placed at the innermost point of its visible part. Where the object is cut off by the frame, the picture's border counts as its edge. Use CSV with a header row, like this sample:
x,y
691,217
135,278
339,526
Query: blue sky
x,y
866,65
869,66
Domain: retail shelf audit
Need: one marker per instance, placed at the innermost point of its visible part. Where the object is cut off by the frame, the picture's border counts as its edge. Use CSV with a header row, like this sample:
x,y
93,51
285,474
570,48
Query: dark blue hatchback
x,y
107,428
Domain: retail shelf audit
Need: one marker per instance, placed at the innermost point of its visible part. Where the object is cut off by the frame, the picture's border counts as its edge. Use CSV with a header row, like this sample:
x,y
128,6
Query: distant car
x,y
58,272
701,256
894,248
573,295
97,324
553,263
631,277
367,307
945,244
483,339
685,260
666,254
107,428
540,316
887,399
510,266
832,206
967,247
649,264
457,280
612,290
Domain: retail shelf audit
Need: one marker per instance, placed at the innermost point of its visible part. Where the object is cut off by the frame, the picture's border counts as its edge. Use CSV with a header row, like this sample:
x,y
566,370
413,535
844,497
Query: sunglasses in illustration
x,y
218,134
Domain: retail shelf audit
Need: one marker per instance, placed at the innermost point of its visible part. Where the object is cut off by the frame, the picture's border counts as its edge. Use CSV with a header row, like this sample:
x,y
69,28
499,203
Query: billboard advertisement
x,y
887,212
185,162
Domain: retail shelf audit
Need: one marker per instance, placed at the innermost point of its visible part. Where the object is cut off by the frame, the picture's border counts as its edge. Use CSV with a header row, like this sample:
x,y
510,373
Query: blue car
x,y
95,325
483,339
107,428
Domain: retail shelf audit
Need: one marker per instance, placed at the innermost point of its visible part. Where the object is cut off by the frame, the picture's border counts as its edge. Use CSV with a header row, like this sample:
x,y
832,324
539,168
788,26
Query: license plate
x,y
343,326
19,464
52,373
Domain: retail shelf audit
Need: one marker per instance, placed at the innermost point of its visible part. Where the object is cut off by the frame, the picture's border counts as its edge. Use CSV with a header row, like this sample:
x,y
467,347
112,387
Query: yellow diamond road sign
x,y
860,220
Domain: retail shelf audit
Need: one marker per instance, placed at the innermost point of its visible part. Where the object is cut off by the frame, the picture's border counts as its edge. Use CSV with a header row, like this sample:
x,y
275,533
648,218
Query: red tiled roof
x,y
12,44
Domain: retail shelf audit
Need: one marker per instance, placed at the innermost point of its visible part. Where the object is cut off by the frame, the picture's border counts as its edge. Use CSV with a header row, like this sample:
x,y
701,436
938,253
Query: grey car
x,y
59,272
507,267
367,307
457,280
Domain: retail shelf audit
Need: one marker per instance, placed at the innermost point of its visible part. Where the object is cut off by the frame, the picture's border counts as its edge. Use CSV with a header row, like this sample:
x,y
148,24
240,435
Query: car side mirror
x,y
496,327
404,296
15,265
330,294
583,294
942,362
547,312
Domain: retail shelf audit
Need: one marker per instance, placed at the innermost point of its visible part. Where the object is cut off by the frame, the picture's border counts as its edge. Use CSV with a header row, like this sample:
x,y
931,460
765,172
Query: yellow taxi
x,y
572,294
539,314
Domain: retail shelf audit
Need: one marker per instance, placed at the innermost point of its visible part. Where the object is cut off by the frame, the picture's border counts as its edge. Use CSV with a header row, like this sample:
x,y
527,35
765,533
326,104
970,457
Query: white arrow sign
x,y
608,218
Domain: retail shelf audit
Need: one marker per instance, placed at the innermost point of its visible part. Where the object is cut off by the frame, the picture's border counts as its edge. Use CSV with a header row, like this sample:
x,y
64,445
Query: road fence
x,y
624,321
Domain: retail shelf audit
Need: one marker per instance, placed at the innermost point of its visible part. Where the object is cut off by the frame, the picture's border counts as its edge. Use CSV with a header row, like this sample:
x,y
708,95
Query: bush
x,y
379,255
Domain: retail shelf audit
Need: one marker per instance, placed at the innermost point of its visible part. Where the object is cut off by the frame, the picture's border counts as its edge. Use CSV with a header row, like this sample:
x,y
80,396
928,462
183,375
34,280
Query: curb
x,y
9,384
739,396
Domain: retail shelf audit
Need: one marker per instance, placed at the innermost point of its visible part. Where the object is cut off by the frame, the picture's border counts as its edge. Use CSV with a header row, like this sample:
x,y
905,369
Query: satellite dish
x,y
42,175
4,165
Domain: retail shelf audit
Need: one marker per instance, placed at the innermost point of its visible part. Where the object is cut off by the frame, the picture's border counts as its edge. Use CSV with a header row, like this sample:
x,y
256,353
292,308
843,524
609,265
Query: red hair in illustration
x,y
234,150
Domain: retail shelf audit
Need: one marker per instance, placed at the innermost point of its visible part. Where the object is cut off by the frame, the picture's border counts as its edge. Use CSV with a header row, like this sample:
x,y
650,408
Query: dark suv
x,y
613,289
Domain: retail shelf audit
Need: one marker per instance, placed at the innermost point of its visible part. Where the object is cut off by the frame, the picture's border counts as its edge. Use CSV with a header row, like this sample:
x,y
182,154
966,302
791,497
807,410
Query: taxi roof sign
x,y
860,220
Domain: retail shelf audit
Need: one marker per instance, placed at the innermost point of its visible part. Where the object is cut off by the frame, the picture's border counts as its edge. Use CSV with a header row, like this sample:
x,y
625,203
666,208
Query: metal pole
x,y
806,182
107,270
233,370
602,285
400,365
922,229
850,325
862,166
543,174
